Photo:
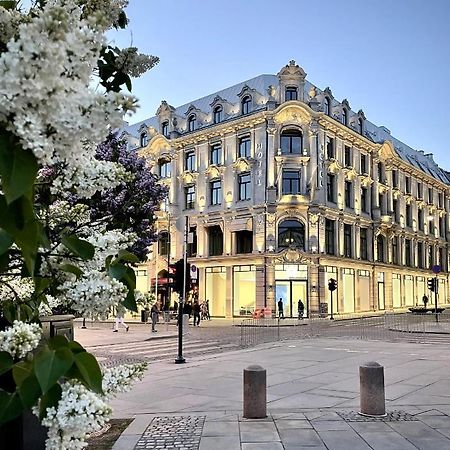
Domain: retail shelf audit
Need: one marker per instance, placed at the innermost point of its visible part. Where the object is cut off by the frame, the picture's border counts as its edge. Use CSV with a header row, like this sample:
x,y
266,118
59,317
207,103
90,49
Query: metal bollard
x,y
255,392
371,383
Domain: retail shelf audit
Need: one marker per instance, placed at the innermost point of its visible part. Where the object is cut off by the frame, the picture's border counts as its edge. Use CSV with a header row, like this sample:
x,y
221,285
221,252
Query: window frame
x,y
164,168
331,187
244,186
348,191
291,181
291,135
215,154
215,191
243,242
192,123
246,104
165,128
190,160
348,160
294,234
330,236
218,114
215,245
143,139
348,250
290,90
242,142
189,196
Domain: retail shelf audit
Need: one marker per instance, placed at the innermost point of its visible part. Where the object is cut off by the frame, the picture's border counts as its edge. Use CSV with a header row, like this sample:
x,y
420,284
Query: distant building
x,y
284,188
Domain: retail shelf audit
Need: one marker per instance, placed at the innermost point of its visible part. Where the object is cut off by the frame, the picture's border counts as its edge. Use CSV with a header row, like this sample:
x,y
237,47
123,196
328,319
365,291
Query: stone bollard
x,y
255,393
371,383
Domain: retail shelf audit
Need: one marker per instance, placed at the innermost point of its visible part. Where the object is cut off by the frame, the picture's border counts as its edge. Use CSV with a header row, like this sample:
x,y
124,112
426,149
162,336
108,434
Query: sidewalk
x,y
312,394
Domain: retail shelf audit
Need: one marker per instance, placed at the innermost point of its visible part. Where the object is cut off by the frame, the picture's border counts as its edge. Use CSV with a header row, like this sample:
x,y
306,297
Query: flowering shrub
x,y
56,243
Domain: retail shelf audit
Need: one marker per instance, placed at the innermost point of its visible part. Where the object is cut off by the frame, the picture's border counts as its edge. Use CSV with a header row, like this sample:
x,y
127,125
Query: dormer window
x,y
345,117
218,114
192,122
327,106
144,139
291,93
246,104
360,126
165,129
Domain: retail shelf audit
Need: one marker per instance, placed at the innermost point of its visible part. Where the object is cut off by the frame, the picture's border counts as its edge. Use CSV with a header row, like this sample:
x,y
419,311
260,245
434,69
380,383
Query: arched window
x,y
144,139
291,142
291,233
218,114
380,249
360,126
246,103
163,243
345,116
327,106
165,129
192,123
291,93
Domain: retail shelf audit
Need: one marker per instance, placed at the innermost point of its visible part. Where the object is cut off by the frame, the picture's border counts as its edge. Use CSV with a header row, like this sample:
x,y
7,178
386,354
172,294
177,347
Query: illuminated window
x,y
291,93
291,142
246,104
291,232
215,240
244,147
192,123
218,114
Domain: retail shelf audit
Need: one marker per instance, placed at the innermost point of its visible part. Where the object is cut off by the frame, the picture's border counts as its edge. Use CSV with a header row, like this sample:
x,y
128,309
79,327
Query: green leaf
x,y
117,271
70,268
50,365
25,312
58,341
6,241
29,391
89,371
6,362
79,247
10,406
8,4
130,301
4,261
18,168
125,255
129,279
75,347
21,371
40,284
50,399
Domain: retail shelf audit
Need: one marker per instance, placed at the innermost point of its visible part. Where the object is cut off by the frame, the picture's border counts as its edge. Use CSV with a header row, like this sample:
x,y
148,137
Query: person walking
x,y
280,309
119,319
207,309
301,309
425,301
196,310
188,309
154,313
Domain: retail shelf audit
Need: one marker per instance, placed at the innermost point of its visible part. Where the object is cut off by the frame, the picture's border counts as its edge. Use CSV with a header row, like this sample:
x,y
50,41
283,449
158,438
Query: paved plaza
x,y
312,393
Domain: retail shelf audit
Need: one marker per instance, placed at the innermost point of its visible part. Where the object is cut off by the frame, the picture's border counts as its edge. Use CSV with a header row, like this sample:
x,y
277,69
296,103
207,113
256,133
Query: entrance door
x,y
291,291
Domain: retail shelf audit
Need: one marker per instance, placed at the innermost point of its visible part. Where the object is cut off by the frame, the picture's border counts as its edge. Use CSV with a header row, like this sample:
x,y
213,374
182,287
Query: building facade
x,y
282,188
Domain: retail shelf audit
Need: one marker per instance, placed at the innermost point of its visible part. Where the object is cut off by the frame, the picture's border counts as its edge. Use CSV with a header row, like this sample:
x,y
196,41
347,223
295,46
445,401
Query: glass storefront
x,y
396,291
244,290
409,290
331,272
348,278
364,290
291,285
215,280
421,291
381,292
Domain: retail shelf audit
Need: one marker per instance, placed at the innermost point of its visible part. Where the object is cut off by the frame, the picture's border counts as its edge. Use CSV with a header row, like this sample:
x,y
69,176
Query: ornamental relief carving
x,y
382,188
188,177
293,113
396,193
242,165
366,181
214,171
334,167
350,174
292,255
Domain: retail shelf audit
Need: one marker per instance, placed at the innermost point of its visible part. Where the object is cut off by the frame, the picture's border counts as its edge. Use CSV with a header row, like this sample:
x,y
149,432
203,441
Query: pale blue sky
x,y
387,57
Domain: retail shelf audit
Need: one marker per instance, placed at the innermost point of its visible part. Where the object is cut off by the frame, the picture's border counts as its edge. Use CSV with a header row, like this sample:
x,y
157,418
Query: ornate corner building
x,y
284,188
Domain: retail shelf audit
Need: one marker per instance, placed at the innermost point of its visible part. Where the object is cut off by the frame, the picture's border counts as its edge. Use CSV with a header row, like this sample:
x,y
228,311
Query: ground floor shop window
x,y
244,290
396,291
348,281
381,292
330,272
215,280
364,290
409,290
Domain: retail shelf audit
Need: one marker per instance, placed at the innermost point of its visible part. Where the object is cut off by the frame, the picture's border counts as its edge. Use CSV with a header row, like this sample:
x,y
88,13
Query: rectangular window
x,y
216,154
420,255
291,182
440,199
363,243
430,196
244,181
329,237
431,227
394,178
396,209
215,240
408,252
192,242
364,200
395,250
419,190
380,172
244,241
330,148
347,240
165,169
408,185
348,156
420,219
189,195
348,194
244,147
408,216
291,93
442,227
331,181
189,161
381,204
363,163
216,192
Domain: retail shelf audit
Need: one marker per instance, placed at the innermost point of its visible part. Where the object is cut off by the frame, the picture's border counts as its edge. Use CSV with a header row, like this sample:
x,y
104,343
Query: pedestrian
x,y
196,310
119,319
301,309
425,301
154,314
207,309
280,309
188,309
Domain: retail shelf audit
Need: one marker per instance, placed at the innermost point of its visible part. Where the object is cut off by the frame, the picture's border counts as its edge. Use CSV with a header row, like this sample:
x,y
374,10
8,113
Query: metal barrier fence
x,y
387,327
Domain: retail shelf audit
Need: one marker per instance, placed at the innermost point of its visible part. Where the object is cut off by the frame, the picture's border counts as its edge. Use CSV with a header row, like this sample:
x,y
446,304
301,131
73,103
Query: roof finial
x,y
292,62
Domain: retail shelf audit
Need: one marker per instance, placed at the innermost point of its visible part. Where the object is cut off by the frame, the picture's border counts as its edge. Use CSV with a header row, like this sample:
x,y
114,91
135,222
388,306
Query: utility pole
x,y
180,359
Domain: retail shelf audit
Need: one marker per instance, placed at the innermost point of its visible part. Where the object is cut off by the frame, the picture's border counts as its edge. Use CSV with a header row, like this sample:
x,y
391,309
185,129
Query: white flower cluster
x,y
134,63
93,294
120,379
103,13
78,413
20,339
52,58
61,212
16,288
9,21
45,307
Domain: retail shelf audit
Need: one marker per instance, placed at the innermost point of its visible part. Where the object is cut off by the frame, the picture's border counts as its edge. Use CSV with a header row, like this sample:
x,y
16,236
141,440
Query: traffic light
x,y
179,277
172,276
332,284
431,284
